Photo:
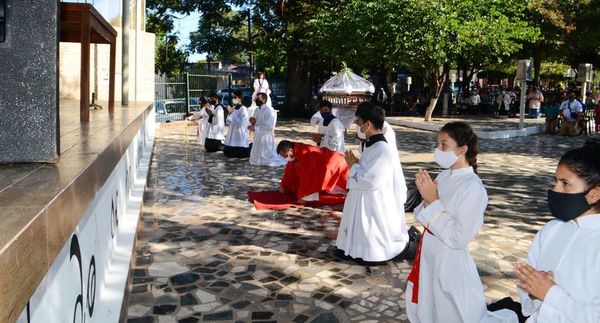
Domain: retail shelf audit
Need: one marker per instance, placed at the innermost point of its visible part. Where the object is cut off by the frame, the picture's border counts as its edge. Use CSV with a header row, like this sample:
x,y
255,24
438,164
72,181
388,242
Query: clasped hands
x,y
350,158
252,123
427,187
536,283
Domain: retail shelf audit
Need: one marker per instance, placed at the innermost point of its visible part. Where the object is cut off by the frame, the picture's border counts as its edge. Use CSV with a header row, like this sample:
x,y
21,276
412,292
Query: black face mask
x,y
567,206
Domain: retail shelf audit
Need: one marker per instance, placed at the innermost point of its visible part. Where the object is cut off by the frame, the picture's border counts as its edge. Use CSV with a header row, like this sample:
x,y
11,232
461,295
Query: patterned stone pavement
x,y
204,253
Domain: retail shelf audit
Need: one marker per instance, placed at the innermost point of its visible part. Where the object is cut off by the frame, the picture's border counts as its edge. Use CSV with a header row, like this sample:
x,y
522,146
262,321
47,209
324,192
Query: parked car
x,y
170,110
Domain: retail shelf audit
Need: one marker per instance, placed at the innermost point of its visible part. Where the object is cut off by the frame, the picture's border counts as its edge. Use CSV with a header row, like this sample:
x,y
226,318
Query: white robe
x,y
346,116
202,118
373,226
333,134
450,289
263,148
261,86
333,138
216,128
571,251
237,135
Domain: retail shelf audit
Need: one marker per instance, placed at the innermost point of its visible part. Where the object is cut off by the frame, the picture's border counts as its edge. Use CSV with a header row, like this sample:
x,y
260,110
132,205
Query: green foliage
x,y
168,59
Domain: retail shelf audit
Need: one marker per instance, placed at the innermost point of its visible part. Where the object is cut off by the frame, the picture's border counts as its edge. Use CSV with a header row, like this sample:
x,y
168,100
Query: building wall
x,y
141,59
28,73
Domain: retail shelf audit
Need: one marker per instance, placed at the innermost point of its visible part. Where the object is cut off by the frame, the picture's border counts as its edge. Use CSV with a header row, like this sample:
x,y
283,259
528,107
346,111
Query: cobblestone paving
x,y
204,253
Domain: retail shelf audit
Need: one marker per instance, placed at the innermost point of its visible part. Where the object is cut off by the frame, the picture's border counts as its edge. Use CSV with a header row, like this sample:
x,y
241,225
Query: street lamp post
x,y
408,83
584,76
524,72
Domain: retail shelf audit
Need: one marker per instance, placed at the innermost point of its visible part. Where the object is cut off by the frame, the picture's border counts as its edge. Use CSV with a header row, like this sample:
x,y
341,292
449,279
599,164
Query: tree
x,y
168,58
218,32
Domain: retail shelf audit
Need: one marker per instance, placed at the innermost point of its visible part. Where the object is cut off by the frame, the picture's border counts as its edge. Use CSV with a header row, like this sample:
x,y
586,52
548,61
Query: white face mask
x,y
289,159
445,158
361,135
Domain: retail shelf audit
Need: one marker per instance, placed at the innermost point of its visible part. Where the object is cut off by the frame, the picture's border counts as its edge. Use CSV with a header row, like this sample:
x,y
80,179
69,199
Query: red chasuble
x,y
314,170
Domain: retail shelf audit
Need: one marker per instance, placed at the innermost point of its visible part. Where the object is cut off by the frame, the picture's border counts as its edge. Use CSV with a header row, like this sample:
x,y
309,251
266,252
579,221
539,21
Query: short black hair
x,y
371,112
325,103
203,101
263,96
284,145
238,94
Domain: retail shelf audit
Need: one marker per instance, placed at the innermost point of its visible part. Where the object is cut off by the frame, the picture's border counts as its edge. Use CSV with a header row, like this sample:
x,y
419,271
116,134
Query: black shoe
x,y
340,254
370,263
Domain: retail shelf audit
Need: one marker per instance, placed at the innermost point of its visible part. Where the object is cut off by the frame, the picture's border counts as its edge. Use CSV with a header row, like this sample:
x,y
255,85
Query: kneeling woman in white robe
x,y
373,226
263,124
216,128
560,282
236,142
444,285
202,120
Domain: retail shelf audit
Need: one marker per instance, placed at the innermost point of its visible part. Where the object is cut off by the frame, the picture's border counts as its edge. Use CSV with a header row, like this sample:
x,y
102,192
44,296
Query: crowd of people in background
x,y
504,102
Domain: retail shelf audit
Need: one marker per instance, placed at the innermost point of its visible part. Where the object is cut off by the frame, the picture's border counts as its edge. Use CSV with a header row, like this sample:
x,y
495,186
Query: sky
x,y
183,27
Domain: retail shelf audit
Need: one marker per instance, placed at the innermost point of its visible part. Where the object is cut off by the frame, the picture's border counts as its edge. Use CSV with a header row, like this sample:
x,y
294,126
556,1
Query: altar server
x,y
444,285
216,126
201,117
263,124
330,133
560,282
236,142
373,226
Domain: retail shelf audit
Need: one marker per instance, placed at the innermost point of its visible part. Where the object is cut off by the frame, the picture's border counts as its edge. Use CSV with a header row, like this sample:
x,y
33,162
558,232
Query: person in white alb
x,y
444,285
261,85
236,142
330,133
560,281
373,226
263,124
201,117
216,126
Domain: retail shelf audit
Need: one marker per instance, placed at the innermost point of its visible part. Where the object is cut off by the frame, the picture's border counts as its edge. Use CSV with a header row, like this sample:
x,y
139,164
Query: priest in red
x,y
312,170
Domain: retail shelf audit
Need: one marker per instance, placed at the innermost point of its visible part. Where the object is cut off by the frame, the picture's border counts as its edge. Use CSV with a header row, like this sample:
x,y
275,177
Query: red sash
x,y
413,277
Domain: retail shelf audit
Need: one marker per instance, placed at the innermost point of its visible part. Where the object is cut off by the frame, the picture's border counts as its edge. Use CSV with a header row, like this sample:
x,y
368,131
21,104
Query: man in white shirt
x,y
330,133
535,98
263,124
571,111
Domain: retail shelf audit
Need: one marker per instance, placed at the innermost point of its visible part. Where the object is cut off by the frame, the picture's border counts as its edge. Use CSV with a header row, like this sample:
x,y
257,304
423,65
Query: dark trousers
x,y
236,152
213,145
509,304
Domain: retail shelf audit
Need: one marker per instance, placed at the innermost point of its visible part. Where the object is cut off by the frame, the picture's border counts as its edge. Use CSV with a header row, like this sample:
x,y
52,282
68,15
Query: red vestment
x,y
314,170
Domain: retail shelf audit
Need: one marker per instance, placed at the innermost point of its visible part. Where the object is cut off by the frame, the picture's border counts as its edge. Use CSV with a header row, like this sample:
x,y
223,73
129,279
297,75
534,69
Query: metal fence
x,y
175,97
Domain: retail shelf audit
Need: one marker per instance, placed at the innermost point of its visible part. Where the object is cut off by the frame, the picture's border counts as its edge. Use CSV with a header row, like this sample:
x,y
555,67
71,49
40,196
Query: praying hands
x,y
536,283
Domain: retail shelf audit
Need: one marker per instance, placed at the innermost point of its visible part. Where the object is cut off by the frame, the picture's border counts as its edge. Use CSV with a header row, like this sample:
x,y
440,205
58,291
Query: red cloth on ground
x,y
314,170
275,200
413,277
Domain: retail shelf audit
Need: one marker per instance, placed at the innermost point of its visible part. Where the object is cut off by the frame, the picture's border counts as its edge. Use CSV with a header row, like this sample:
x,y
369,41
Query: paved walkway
x,y
205,254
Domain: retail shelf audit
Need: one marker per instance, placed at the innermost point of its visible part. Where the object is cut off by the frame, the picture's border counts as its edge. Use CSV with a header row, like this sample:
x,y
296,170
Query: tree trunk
x,y
437,85
297,86
537,63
